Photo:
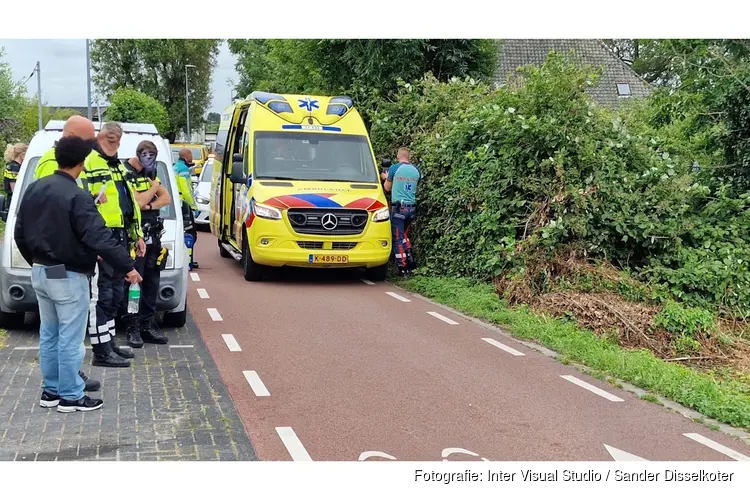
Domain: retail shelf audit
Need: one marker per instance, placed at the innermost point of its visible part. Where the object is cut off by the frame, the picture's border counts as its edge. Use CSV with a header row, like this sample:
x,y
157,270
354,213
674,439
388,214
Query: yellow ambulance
x,y
295,183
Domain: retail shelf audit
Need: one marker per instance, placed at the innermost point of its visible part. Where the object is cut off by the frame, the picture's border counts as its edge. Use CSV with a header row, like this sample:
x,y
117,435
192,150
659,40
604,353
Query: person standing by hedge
x,y
402,180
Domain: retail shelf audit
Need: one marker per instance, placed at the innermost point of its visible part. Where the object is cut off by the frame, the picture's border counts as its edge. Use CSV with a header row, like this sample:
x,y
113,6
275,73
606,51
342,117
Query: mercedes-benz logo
x,y
329,222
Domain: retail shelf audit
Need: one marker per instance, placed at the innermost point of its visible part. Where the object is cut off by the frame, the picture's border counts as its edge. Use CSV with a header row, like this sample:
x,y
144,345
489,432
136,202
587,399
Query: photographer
x,y
151,196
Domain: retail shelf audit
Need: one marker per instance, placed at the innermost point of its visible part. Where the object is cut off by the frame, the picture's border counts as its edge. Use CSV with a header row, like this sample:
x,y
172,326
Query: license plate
x,y
328,259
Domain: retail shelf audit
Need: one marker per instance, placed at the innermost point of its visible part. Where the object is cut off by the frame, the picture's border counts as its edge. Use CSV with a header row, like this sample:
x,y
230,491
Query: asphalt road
x,y
325,367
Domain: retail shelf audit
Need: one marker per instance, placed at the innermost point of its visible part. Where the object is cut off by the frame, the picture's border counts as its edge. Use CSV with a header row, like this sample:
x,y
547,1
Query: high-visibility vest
x,y
47,164
98,173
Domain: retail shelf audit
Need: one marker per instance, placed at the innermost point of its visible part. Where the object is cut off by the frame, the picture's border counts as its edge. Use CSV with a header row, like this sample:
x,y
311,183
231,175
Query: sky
x,y
63,70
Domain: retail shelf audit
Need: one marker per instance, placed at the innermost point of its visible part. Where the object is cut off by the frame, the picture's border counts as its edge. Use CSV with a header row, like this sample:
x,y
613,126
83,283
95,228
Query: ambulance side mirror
x,y
236,157
238,173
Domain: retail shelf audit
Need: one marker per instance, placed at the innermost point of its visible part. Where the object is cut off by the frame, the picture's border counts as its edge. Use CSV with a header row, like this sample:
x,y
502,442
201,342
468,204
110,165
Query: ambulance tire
x,y
12,320
175,320
223,251
379,273
251,270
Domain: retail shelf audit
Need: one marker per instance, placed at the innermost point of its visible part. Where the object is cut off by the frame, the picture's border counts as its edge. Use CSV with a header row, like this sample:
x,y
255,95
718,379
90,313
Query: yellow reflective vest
x,y
47,164
97,173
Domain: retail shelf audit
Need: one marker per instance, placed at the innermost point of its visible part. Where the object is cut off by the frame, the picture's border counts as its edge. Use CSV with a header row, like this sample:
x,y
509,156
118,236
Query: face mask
x,y
147,159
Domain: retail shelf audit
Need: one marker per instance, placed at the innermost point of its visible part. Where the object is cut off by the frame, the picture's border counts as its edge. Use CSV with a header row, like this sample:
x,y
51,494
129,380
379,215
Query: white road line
x,y
185,346
718,447
367,282
592,388
195,277
26,348
202,293
214,314
442,318
398,297
369,454
504,347
231,343
256,384
293,445
623,456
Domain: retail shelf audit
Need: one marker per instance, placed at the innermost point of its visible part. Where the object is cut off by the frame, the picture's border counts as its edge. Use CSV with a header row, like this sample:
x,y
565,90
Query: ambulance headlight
x,y
381,215
266,212
16,259
169,245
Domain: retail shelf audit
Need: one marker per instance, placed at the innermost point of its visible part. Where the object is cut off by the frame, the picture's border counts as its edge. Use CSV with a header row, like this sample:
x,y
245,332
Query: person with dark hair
x,y
151,196
60,232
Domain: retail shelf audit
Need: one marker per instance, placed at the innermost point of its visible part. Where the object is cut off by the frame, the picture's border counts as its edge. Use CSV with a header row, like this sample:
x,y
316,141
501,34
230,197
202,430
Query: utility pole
x,y
39,92
88,80
187,100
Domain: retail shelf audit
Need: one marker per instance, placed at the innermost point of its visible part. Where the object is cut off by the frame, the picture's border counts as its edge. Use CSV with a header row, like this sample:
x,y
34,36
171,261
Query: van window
x,y
207,172
313,157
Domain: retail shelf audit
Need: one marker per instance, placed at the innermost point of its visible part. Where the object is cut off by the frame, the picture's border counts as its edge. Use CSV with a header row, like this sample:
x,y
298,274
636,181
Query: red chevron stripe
x,y
362,203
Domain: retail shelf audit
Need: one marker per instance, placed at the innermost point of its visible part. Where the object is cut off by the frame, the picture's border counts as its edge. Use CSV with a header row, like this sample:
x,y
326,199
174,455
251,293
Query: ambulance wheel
x,y
223,251
379,273
12,320
175,320
251,270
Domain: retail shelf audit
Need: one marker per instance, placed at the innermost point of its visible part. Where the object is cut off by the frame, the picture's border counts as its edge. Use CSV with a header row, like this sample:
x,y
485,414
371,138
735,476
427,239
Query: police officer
x,y
14,155
150,196
402,179
106,178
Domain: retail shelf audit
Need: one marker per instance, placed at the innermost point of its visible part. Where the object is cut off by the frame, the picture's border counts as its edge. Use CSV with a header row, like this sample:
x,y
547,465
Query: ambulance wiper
x,y
278,178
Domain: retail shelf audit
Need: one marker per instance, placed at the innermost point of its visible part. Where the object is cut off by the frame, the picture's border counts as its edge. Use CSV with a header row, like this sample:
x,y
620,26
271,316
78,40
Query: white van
x,y
16,294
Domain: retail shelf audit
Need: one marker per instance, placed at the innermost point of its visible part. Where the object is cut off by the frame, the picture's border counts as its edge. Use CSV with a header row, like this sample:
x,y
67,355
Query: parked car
x,y
16,294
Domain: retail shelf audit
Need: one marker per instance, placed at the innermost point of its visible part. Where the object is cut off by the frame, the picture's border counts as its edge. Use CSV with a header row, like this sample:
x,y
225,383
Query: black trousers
x,y
107,292
151,274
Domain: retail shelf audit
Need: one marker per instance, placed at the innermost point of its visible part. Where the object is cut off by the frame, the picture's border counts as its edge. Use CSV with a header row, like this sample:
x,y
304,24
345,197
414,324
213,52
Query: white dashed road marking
x,y
202,293
195,277
398,297
293,445
718,447
442,318
623,456
367,282
214,314
185,346
592,388
231,342
504,347
369,454
256,384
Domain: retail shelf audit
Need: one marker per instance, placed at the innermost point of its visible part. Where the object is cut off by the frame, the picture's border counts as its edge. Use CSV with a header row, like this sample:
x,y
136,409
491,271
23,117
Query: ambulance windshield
x,y
313,157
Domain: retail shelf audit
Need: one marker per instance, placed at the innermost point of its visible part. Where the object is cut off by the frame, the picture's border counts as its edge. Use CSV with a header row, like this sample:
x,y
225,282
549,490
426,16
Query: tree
x,y
11,103
130,106
364,69
213,118
156,67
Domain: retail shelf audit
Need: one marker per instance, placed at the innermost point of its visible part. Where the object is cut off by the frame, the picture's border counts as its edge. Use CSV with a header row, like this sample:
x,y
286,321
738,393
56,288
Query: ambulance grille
x,y
329,221
310,245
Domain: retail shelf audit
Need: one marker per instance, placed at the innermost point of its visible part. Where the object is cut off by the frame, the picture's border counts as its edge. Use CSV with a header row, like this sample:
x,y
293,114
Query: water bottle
x,y
134,298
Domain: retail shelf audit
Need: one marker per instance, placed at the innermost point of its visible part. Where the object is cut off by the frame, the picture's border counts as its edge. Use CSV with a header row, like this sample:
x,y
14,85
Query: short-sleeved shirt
x,y
405,178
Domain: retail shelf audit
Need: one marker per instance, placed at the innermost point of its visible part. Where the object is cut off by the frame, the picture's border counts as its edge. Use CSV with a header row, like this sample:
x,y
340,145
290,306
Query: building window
x,y
623,89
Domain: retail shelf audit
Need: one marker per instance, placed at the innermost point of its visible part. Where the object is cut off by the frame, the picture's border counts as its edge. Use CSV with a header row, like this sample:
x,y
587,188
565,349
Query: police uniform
x,y
142,327
184,185
123,216
10,176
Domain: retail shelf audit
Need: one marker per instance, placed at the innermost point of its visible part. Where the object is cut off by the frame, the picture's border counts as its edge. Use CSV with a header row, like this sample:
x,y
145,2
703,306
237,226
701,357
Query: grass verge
x,y
727,402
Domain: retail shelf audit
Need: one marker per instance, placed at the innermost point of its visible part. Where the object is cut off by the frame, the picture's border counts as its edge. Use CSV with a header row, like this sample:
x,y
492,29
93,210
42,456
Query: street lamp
x,y
187,99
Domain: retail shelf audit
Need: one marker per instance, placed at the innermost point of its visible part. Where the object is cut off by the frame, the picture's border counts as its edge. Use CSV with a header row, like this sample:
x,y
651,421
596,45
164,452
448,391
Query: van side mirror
x,y
236,157
3,208
238,173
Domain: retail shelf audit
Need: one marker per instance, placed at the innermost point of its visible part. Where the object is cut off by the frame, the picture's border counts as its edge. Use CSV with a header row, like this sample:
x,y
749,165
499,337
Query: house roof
x,y
515,53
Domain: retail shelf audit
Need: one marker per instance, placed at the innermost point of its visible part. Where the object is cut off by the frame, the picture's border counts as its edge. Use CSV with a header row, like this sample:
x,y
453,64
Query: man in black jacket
x,y
60,231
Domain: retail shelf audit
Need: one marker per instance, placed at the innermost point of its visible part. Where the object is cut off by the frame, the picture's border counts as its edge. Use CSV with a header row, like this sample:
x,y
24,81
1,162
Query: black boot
x,y
133,334
123,353
91,384
151,334
105,356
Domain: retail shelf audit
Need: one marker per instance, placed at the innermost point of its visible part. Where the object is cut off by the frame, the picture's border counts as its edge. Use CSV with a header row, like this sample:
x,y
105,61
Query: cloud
x,y
63,70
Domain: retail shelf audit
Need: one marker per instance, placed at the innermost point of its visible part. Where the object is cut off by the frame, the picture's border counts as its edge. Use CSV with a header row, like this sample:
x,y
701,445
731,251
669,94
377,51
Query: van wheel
x,y
175,320
379,273
12,320
251,270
